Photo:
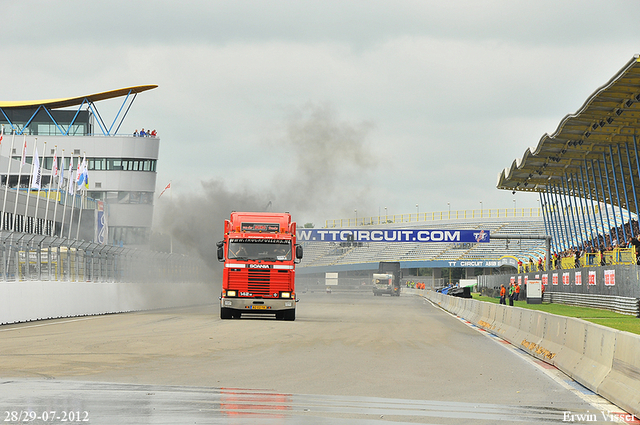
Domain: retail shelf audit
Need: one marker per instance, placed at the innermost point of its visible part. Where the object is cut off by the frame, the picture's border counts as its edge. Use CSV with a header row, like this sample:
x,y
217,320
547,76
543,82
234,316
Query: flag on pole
x,y
61,179
1,134
36,172
85,172
23,159
72,182
82,174
165,189
54,170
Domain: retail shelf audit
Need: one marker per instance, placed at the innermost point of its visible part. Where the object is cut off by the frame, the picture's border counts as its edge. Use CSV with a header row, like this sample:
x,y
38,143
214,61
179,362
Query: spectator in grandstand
x,y
135,133
503,294
589,251
540,264
577,257
143,133
636,244
530,264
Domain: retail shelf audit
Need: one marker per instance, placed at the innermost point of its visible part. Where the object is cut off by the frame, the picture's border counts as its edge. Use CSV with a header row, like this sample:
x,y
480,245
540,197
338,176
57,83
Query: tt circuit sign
x,y
393,235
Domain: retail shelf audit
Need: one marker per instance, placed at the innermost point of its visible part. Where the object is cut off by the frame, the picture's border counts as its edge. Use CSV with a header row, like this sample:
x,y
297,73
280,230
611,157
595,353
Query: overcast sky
x,y
327,107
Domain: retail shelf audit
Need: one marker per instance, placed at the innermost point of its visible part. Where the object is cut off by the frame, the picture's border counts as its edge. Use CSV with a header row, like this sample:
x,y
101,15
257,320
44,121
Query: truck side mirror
x,y
220,250
298,251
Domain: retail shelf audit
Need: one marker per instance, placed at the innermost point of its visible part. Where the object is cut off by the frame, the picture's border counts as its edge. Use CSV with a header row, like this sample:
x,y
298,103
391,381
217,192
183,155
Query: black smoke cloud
x,y
327,177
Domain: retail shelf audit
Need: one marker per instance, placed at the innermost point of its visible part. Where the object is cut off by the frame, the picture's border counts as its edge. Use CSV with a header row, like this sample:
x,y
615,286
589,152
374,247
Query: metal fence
x,y
28,256
615,287
436,216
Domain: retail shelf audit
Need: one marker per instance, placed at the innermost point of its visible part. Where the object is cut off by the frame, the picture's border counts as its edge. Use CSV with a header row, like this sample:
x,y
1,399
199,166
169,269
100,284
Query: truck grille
x,y
258,282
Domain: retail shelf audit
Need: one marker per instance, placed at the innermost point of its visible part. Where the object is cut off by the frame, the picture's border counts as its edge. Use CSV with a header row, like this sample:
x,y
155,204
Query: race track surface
x,y
348,358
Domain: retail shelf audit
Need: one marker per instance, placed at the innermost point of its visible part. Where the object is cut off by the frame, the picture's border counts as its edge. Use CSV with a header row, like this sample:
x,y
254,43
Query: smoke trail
x,y
329,161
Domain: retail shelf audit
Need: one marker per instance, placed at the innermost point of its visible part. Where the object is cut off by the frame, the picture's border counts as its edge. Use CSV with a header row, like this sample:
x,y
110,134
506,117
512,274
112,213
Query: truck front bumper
x,y
253,305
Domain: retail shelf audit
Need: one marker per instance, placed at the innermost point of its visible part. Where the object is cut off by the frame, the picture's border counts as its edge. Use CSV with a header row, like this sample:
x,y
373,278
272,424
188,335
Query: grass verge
x,y
595,315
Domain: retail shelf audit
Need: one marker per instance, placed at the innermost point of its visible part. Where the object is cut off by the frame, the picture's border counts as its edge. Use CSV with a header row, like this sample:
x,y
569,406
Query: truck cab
x,y
259,252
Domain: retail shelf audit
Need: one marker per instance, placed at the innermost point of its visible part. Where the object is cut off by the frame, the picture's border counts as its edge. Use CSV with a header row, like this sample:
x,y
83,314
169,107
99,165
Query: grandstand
x,y
344,256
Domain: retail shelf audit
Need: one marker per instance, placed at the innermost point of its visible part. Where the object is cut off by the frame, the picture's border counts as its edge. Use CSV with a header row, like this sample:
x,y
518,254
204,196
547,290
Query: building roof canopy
x,y
607,121
75,101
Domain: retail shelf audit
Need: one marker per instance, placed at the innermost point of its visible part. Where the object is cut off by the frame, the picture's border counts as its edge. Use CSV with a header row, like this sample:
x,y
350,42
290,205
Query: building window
x,y
121,164
128,235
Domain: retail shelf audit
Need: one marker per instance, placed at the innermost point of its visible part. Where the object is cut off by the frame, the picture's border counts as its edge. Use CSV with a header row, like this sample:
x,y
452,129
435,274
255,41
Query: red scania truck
x,y
259,251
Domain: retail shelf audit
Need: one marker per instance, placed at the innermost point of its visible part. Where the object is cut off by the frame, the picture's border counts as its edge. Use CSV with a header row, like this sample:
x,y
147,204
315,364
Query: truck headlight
x,y
285,294
231,293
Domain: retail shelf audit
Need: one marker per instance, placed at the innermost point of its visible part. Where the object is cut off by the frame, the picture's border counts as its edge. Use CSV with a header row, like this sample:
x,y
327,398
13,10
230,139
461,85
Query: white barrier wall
x,y
605,360
37,300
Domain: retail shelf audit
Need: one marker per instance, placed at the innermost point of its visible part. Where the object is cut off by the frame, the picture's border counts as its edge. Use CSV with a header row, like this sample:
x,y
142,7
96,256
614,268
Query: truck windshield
x,y
250,249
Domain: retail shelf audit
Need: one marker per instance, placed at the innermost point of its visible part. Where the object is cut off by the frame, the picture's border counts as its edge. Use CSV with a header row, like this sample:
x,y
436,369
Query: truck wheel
x,y
290,315
225,313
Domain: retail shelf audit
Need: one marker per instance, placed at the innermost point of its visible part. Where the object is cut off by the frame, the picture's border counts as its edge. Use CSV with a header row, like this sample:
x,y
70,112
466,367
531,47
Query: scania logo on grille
x,y
258,266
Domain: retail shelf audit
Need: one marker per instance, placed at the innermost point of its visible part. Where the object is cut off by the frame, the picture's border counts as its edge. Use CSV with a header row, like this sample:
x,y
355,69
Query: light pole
x,y
449,207
417,212
386,218
514,207
356,211
480,209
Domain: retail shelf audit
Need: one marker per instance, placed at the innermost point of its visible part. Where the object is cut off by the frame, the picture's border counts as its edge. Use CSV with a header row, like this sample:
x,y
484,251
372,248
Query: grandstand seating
x,y
332,253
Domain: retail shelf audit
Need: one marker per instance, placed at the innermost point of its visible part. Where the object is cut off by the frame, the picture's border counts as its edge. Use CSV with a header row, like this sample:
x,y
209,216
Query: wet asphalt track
x,y
349,359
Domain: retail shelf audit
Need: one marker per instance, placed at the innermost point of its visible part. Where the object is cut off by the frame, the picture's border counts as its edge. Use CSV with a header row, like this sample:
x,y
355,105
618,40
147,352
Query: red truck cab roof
x,y
254,224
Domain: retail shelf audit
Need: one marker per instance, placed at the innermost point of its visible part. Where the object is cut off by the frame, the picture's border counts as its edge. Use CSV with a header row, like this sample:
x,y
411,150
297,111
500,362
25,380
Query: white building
x,y
121,168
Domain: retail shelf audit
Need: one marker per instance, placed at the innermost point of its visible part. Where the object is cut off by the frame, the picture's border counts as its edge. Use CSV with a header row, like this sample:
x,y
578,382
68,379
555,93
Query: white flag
x,y
61,179
72,182
36,172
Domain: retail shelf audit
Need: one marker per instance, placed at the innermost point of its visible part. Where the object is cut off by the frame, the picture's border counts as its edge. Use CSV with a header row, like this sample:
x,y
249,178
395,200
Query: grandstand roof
x,y
75,101
606,124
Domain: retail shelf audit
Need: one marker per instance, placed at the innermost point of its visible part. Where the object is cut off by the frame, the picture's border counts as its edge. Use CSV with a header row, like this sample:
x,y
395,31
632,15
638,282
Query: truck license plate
x,y
259,307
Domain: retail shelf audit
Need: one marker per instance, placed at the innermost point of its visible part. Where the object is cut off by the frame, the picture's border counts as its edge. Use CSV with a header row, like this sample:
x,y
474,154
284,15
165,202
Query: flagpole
x,y
83,192
22,161
46,210
38,172
170,235
72,184
64,211
55,209
6,184
26,207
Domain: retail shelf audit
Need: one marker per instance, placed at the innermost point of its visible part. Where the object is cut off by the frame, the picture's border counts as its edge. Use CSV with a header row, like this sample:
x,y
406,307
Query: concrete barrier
x,y
553,337
595,365
622,383
602,359
38,300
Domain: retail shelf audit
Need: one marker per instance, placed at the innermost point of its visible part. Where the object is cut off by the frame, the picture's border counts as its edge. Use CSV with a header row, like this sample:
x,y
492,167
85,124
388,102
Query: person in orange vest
x,y
517,295
503,294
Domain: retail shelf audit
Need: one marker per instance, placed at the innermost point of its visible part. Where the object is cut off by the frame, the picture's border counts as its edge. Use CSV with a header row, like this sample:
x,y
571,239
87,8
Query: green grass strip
x,y
607,318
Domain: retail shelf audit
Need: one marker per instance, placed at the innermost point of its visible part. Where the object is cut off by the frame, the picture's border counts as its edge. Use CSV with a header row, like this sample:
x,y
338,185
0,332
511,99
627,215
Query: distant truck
x,y
387,280
259,251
